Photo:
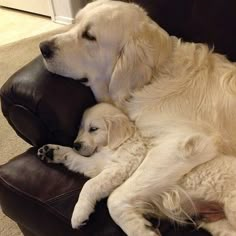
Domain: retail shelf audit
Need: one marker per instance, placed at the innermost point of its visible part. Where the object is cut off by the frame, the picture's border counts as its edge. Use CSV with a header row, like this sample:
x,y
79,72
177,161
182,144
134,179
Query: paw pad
x,y
45,153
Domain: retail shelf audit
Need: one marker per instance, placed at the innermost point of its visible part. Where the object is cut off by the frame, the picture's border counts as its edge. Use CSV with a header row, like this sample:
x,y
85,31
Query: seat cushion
x,y
42,196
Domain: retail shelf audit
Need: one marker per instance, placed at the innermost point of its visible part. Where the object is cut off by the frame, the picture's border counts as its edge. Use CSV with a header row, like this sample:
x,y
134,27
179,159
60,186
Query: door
x,y
42,7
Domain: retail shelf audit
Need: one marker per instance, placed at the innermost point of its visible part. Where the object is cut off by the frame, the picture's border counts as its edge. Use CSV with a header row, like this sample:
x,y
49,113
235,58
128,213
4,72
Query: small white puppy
x,y
116,150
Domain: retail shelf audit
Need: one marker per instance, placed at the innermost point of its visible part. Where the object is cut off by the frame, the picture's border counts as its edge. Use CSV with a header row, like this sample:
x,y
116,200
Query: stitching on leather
x,y
29,197
62,196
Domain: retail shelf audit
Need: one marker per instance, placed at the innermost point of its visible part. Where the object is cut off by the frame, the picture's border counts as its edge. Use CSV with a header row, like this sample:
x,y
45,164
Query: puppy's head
x,y
107,51
102,125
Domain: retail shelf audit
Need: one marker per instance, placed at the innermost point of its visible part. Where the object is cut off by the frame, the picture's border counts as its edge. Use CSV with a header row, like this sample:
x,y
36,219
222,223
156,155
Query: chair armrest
x,y
41,197
43,107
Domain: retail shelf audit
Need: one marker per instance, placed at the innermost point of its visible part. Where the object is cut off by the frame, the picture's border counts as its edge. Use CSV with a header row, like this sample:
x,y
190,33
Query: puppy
x,y
116,150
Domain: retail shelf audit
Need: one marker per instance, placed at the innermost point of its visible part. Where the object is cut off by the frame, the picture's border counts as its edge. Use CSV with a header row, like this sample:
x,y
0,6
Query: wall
x,y
65,10
61,11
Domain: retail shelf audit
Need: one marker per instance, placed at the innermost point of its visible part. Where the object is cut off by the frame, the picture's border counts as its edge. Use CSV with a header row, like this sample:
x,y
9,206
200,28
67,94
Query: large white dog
x,y
172,90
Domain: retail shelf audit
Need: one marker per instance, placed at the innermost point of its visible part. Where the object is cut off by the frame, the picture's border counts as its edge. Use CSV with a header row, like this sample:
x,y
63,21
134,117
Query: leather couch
x,y
45,108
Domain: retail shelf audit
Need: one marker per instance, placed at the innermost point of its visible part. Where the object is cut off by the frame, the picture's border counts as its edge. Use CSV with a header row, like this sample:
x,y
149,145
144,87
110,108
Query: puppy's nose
x,y
77,146
47,49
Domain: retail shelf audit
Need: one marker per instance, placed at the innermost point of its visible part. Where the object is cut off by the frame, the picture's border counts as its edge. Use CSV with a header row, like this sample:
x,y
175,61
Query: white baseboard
x,y
63,20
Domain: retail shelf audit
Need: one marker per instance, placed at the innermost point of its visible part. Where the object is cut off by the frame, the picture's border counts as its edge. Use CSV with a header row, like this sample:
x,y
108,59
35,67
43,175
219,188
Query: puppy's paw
x,y
77,224
45,153
80,217
51,154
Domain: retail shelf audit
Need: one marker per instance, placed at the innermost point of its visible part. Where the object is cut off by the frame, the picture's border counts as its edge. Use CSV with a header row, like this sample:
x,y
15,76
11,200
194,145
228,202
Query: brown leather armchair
x,y
46,108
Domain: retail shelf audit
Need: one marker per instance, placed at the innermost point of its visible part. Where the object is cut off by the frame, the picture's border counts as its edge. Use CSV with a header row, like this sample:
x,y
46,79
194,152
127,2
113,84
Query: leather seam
x,y
62,196
29,197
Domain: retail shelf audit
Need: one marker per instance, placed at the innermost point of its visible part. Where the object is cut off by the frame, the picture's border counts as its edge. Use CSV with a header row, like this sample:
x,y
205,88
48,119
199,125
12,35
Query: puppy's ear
x,y
147,48
119,130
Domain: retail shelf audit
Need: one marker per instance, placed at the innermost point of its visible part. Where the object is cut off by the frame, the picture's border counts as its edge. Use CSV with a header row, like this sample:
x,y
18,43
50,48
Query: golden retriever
x,y
172,90
115,149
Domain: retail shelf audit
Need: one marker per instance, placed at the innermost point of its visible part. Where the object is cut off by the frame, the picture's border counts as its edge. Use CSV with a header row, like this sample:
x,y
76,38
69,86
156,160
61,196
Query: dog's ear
x,y
142,53
119,130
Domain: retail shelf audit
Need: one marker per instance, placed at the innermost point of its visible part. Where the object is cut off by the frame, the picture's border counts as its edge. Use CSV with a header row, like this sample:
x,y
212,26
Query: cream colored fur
x,y
115,168
110,162
171,89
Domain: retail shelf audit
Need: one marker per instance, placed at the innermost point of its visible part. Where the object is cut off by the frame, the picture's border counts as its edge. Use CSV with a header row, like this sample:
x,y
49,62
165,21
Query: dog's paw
x,y
80,216
77,224
45,153
78,219
51,153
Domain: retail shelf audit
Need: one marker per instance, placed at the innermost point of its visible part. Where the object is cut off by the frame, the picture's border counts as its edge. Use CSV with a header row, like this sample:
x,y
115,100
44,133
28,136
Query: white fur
x,y
172,90
109,165
117,168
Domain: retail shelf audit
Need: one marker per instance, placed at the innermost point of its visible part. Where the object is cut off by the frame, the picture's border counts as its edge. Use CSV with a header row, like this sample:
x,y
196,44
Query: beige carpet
x,y
13,57
12,20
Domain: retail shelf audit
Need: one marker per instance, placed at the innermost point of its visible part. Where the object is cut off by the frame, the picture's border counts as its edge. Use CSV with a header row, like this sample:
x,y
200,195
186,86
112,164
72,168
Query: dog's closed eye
x,y
92,129
87,35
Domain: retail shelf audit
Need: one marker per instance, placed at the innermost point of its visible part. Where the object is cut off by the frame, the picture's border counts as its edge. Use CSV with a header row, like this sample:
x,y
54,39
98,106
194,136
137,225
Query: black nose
x,y
77,146
47,49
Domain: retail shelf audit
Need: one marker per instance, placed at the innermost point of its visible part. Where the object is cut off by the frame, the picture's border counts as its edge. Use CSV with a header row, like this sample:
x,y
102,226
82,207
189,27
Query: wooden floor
x,y
16,25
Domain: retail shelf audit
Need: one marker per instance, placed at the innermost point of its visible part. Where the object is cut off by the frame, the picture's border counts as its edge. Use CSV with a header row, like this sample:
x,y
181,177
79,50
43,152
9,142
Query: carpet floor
x,y
12,57
16,25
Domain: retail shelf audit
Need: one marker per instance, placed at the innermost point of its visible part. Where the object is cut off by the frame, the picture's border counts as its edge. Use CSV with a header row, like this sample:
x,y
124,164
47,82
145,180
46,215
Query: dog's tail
x,y
174,204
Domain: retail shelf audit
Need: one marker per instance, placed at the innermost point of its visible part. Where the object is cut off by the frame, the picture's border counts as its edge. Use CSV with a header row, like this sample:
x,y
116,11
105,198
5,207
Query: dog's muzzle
x,y
77,146
83,149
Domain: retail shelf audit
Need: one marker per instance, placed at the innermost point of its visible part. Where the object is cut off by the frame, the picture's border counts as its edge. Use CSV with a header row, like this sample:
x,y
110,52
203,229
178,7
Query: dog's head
x,y
102,125
114,48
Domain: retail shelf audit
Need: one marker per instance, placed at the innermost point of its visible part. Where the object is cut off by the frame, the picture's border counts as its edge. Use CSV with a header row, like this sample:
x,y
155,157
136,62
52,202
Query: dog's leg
x,y
96,189
124,213
162,168
219,228
90,167
122,208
